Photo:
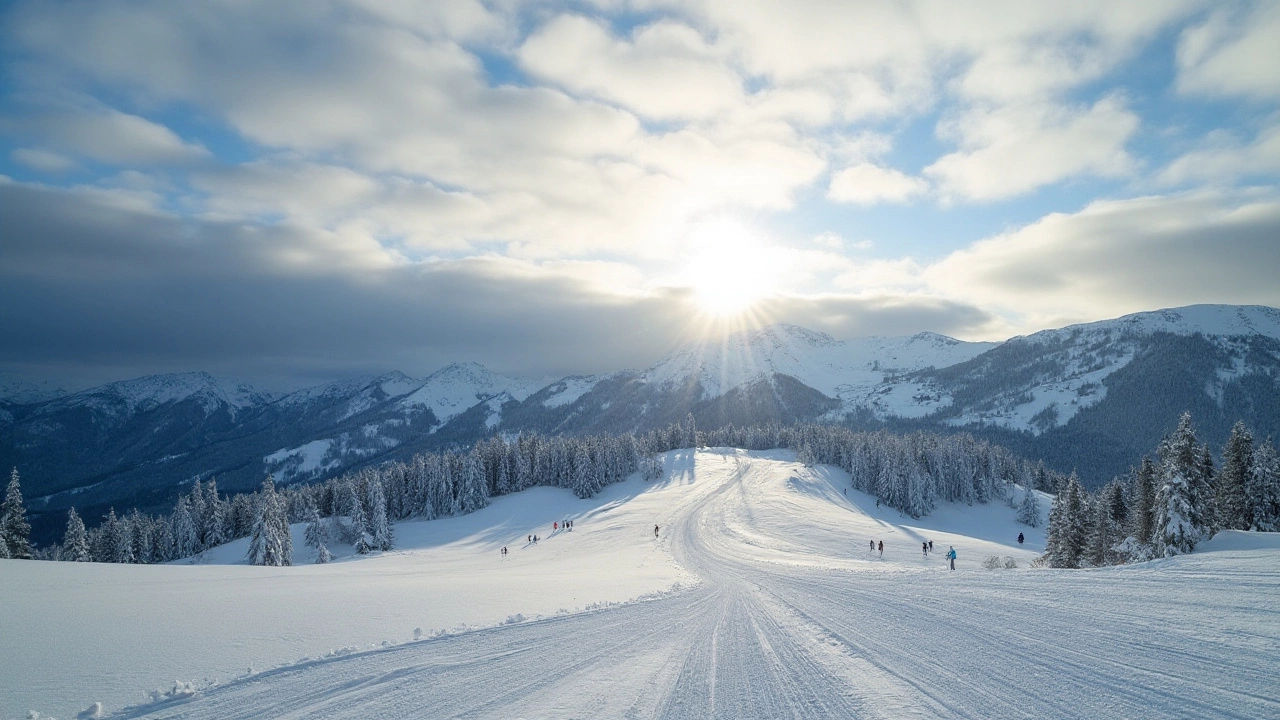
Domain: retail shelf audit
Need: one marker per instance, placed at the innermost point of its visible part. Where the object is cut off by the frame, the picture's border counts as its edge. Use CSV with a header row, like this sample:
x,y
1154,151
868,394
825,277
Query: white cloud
x,y
1014,149
667,71
43,160
113,137
1224,159
867,184
1116,257
1232,53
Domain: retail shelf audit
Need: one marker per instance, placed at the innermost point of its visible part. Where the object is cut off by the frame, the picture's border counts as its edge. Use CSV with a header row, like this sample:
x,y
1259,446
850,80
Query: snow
x,y
454,389
759,599
568,390
856,371
308,459
145,393
22,390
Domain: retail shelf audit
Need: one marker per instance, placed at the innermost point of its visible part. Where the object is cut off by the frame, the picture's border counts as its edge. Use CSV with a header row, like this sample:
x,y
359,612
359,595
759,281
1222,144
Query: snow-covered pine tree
x,y
1144,498
121,540
690,436
379,530
140,528
270,543
1178,524
186,538
1104,533
1067,526
1237,462
75,543
1029,509
585,480
1263,489
316,533
323,555
471,485
1202,495
14,528
215,524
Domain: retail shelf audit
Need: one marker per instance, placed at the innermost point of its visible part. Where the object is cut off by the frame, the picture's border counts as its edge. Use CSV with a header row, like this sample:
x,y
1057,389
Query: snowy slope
x,y
760,599
1073,363
129,397
459,387
21,390
815,359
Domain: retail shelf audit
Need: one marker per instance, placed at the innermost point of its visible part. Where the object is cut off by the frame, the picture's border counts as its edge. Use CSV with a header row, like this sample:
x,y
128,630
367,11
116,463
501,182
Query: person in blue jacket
x,y
951,556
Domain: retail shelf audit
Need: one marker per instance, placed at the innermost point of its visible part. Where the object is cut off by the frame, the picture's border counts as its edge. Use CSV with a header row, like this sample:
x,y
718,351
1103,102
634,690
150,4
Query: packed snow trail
x,y
785,623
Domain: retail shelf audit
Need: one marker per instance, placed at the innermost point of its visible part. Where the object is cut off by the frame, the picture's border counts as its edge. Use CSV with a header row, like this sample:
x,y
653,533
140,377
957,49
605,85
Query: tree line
x,y
909,472
1167,505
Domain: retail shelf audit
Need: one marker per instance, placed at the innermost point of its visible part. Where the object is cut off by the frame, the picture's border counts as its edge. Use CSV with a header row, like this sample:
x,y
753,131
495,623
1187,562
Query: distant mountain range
x,y
1091,397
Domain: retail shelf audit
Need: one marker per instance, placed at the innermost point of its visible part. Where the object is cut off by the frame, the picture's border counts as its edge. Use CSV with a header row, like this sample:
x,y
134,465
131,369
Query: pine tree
x,y
1229,493
316,534
270,542
1066,534
14,529
1178,523
1263,489
322,554
121,540
379,530
215,524
1029,509
1144,498
75,543
186,539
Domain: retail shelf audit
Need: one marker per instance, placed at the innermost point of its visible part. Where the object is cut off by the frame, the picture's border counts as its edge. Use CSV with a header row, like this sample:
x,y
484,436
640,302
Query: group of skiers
x,y
926,547
532,539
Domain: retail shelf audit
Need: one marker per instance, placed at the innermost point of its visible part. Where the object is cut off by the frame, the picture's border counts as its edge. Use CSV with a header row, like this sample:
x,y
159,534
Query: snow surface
x,y
759,599
145,393
454,389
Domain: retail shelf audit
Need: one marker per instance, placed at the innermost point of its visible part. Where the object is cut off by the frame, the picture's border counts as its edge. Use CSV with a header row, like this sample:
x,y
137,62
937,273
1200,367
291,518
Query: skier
x,y
655,531
930,545
555,526
881,549
1020,538
873,546
951,555
528,538
924,548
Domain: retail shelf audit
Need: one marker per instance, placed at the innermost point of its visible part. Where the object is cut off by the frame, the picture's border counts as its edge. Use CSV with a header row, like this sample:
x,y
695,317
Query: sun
x,y
730,268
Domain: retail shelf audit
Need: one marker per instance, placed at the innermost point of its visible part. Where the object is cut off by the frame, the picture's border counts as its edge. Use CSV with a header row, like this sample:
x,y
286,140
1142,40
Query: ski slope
x,y
759,598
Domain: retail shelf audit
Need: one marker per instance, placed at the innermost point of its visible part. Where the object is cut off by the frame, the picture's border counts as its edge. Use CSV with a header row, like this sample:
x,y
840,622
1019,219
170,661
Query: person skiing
x,y
951,555
930,546
924,548
555,526
873,546
1020,538
881,549
655,531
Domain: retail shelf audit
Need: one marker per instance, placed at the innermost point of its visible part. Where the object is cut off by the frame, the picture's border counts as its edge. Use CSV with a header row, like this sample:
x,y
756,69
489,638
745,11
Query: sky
x,y
289,192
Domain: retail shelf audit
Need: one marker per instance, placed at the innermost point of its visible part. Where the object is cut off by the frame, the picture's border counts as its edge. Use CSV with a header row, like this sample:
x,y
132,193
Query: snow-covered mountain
x,y
20,390
1090,397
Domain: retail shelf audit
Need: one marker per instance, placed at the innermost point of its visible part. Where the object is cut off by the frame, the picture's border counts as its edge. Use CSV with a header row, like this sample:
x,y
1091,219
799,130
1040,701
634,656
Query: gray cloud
x,y
107,291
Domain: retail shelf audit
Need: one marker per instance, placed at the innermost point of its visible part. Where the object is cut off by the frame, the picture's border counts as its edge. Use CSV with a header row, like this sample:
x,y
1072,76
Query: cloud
x,y
1224,159
1232,53
43,160
108,136
101,290
1014,149
1117,257
667,71
867,184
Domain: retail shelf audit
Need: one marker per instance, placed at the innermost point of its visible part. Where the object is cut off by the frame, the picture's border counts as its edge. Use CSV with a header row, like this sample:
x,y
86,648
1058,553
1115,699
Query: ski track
x,y
767,634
